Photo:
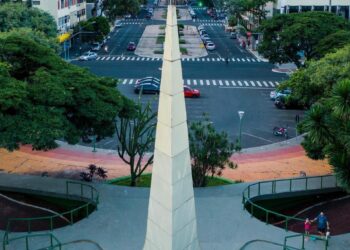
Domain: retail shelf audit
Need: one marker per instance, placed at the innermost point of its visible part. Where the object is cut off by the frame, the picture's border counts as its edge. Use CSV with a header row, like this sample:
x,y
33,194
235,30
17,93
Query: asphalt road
x,y
242,84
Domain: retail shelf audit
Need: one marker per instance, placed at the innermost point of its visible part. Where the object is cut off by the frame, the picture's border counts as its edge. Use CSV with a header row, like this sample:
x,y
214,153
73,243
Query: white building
x,y
339,7
66,13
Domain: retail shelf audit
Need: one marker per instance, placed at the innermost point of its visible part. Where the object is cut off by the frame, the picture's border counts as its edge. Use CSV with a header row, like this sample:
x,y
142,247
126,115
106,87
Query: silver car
x,y
88,56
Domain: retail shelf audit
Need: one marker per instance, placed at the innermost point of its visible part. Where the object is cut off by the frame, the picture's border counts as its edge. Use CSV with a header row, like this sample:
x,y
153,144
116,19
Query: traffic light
x,y
200,4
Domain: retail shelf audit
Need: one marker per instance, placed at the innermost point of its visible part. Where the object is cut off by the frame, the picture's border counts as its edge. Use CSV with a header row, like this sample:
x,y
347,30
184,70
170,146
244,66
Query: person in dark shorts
x,y
322,224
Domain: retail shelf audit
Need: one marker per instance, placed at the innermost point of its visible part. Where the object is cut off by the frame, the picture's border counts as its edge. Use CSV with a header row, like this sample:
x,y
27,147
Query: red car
x,y
189,92
131,46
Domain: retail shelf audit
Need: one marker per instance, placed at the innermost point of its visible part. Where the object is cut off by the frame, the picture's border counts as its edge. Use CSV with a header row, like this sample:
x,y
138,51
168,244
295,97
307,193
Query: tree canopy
x,y
324,86
285,36
18,15
114,8
99,25
43,98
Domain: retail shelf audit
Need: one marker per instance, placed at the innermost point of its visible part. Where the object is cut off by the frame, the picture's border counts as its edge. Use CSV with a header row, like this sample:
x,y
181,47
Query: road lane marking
x,y
220,83
233,83
238,60
258,82
240,83
277,83
246,83
233,59
201,82
265,83
188,82
207,82
125,80
248,59
131,81
194,82
271,83
243,59
214,82
252,83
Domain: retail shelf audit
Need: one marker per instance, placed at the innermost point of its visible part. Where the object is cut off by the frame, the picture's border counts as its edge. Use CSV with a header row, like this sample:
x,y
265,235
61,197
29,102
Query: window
x,y
36,2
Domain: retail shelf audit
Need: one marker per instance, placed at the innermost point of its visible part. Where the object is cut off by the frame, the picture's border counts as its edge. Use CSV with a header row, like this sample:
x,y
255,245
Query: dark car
x,y
189,92
147,88
287,102
131,46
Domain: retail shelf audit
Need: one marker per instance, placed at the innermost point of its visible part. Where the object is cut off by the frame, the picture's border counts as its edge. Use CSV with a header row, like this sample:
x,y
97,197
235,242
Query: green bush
x,y
182,41
160,39
158,51
183,51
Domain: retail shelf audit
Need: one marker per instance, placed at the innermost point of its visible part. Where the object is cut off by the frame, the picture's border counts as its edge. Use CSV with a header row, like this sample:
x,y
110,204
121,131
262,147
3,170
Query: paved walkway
x,y
120,221
279,160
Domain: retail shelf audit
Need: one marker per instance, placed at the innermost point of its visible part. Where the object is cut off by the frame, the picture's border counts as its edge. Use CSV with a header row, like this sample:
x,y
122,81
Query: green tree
x,y
316,80
43,98
327,125
285,36
332,42
99,25
18,15
115,8
136,134
210,152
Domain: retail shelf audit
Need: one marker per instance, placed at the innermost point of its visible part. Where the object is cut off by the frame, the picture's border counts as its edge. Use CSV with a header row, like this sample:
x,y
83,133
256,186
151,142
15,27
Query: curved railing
x,y
54,243
284,186
84,192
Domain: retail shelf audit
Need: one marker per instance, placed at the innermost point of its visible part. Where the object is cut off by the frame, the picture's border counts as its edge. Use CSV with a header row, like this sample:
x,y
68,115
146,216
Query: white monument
x,y
171,223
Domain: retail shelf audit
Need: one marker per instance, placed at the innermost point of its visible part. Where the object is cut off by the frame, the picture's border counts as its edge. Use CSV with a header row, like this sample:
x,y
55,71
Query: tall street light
x,y
240,114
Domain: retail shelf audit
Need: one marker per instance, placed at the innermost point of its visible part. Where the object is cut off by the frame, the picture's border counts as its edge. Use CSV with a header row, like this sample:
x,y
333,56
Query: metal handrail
x,y
53,245
247,196
93,197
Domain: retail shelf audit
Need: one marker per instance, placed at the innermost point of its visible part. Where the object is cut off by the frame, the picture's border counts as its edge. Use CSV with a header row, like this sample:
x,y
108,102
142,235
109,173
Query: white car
x,y
210,46
147,79
205,36
95,46
200,27
88,56
118,24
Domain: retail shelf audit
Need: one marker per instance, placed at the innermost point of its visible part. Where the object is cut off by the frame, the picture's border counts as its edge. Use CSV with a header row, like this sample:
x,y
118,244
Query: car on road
x,y
118,24
147,88
276,93
131,46
206,40
189,92
210,46
148,15
203,32
88,56
148,79
95,46
127,16
233,35
205,36
200,27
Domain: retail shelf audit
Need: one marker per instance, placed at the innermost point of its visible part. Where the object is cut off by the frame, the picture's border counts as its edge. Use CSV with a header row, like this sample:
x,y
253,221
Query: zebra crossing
x,y
201,59
264,84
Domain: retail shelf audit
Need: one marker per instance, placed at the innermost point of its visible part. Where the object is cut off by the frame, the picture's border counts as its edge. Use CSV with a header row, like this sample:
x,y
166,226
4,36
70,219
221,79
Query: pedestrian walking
x,y
322,224
307,226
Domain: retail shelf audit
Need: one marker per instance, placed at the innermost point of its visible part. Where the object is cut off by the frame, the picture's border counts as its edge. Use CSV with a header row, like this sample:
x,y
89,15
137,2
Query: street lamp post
x,y
240,114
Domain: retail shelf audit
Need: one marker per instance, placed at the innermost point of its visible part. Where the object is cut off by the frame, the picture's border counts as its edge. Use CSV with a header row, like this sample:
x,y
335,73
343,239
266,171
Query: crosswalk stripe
x,y
227,83
277,83
138,59
233,59
233,83
243,60
103,58
182,59
238,60
207,82
258,83
131,81
128,58
98,58
253,60
198,60
113,58
123,58
208,59
258,60
192,59
201,82
188,82
239,83
118,58
142,58
108,58
252,83
194,82
246,83
271,83
125,80
265,83
148,58
213,59
132,58
248,59
214,82
220,83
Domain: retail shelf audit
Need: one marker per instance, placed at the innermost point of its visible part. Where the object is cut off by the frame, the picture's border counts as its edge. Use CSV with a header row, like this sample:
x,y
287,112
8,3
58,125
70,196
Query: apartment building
x,y
67,13
339,7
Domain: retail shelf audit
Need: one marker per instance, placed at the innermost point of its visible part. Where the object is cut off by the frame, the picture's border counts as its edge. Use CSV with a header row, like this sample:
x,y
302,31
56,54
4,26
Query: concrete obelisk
x,y
171,223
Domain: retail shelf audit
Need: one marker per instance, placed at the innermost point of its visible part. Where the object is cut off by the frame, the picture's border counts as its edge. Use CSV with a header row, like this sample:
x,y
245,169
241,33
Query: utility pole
x,y
330,6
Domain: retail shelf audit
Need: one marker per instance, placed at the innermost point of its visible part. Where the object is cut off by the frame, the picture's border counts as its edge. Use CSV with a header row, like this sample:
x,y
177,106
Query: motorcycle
x,y
280,131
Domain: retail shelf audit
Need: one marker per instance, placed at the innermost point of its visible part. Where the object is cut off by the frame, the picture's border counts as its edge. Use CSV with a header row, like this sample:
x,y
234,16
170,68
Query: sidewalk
x,y
268,162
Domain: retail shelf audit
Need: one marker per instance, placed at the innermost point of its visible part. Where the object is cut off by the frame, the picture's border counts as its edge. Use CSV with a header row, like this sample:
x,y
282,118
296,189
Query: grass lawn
x,y
145,181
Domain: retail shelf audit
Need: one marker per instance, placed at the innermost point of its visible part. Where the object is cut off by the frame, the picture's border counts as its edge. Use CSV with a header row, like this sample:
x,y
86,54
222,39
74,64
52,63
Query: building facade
x,y
67,13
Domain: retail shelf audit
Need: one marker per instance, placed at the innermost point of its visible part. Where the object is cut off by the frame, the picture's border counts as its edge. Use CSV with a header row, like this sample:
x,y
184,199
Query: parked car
x,y
200,27
205,36
203,32
287,102
147,88
189,92
233,35
131,46
206,40
118,24
127,16
210,46
95,46
148,79
148,15
88,56
276,93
